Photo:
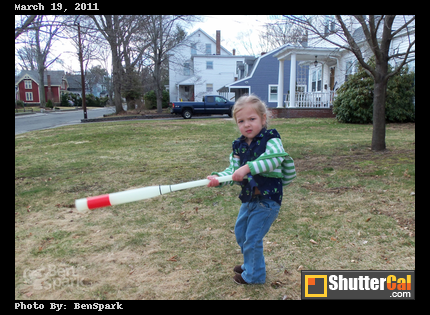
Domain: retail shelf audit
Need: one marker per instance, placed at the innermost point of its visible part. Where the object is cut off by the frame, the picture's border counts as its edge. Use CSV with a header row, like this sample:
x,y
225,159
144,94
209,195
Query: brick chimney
x,y
218,42
234,52
49,88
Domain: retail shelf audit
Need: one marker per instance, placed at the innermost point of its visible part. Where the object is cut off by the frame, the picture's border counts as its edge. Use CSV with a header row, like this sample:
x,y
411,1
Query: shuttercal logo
x,y
316,285
358,284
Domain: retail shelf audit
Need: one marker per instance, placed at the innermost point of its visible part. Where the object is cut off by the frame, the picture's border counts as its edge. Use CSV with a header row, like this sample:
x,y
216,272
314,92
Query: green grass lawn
x,y
354,204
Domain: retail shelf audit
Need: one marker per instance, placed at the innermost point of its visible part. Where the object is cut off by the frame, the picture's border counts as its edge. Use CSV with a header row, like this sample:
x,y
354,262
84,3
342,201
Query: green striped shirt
x,y
274,162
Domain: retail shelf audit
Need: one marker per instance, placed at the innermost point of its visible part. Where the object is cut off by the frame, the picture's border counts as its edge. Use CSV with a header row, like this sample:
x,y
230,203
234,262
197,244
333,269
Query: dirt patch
x,y
322,162
395,201
400,126
320,187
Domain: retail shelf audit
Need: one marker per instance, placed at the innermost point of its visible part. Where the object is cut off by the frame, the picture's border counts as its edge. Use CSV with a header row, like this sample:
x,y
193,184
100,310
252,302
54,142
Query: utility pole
x,y
84,105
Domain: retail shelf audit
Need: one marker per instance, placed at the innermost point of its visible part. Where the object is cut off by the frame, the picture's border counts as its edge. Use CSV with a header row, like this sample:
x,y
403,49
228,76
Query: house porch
x,y
321,95
306,105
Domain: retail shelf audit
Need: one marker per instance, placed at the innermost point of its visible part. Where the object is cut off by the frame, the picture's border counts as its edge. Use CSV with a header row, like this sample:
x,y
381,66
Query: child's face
x,y
250,122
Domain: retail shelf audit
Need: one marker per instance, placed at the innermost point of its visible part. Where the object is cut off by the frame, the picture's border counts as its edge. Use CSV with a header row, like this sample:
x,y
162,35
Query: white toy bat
x,y
117,198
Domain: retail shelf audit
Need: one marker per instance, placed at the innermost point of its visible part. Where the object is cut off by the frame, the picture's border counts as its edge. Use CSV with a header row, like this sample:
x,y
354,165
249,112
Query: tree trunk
x,y
159,95
116,76
158,87
42,98
378,136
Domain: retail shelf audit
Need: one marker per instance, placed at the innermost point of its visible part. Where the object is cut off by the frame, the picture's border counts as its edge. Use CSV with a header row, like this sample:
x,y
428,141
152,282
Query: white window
x,y
193,49
27,84
187,69
209,87
316,80
273,93
209,64
351,68
329,25
28,96
208,50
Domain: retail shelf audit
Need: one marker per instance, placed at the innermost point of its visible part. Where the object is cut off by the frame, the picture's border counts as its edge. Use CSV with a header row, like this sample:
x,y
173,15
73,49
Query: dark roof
x,y
74,81
56,76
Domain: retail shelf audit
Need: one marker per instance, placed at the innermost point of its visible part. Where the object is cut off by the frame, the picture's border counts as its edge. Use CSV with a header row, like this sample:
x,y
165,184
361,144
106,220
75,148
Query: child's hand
x,y
239,174
213,181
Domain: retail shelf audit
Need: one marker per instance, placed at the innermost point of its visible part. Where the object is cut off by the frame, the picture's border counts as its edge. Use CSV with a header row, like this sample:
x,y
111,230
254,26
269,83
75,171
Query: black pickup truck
x,y
212,104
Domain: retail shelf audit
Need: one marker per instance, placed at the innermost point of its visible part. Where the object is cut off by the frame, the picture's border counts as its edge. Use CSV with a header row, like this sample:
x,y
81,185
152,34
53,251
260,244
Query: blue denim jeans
x,y
253,223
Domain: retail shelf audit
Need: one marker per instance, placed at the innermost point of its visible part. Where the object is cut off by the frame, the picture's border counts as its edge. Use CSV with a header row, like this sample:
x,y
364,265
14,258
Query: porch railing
x,y
311,99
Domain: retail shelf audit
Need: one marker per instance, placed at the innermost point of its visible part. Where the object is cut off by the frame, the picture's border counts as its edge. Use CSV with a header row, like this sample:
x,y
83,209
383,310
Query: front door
x,y
332,72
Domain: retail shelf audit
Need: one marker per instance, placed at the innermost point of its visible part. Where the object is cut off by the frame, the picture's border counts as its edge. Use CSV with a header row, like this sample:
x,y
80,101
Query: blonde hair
x,y
256,103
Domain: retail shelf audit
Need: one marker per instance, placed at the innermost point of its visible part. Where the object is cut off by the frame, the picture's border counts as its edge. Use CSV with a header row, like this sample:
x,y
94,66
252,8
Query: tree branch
x,y
354,48
28,21
403,26
404,61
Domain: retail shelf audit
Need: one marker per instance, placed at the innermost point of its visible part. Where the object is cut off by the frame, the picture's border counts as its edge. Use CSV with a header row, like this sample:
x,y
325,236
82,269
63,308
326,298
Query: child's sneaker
x,y
238,269
239,280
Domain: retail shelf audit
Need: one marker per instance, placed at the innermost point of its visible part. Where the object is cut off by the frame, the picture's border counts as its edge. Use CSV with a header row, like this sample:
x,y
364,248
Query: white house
x,y
200,65
330,65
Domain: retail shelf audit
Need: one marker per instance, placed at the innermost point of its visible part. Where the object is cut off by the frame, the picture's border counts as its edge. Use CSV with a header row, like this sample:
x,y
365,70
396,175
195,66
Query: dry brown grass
x,y
356,206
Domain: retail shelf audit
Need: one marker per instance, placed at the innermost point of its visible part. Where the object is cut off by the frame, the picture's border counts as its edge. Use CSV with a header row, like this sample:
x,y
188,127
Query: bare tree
x,y
109,26
366,36
281,32
27,56
43,40
135,46
121,32
92,42
273,35
164,33
251,47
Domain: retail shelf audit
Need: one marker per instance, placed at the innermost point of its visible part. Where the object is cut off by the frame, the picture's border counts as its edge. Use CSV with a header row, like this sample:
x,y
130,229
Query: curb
x,y
127,118
25,114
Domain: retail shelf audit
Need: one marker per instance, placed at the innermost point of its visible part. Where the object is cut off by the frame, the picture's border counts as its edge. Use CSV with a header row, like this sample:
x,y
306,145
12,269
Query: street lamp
x,y
84,105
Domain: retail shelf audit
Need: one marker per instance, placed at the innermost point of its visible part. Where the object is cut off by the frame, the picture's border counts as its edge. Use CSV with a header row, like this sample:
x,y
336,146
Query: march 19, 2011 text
x,y
58,6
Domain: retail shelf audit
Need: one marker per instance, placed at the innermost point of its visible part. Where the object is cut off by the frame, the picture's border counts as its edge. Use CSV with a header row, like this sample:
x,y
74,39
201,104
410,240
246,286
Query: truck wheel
x,y
187,114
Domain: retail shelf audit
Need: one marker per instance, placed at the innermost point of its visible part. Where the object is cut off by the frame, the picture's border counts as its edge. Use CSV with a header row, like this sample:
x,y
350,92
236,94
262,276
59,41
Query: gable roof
x,y
209,37
256,63
56,77
74,81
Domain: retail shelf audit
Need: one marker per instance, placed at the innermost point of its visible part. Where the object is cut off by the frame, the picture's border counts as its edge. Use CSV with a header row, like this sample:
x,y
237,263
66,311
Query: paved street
x,y
25,123
39,121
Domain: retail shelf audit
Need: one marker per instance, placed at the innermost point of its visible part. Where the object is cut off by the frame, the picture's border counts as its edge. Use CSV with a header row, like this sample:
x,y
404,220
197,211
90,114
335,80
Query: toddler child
x,y
262,167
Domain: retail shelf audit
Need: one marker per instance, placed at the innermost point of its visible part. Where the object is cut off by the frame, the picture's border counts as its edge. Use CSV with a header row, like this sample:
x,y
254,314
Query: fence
x,y
312,99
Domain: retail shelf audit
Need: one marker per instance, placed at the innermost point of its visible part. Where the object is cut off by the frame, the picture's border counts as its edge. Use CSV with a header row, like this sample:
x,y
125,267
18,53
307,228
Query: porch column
x,y
281,84
293,80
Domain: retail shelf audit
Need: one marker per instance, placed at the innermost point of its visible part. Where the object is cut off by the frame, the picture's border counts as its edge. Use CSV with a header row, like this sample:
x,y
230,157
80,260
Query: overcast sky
x,y
231,26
